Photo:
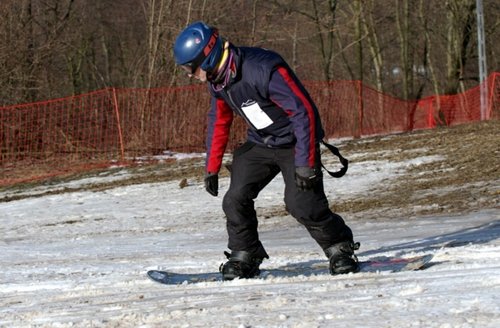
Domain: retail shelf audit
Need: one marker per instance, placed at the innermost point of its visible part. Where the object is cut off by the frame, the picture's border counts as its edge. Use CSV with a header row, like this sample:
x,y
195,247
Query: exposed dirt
x,y
465,179
465,176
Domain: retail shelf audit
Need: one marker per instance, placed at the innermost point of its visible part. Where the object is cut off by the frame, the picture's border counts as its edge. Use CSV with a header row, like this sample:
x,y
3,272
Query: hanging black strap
x,y
343,161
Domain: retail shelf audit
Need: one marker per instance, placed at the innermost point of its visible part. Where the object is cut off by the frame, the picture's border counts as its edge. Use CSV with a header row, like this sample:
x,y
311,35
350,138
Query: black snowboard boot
x,y
241,264
342,258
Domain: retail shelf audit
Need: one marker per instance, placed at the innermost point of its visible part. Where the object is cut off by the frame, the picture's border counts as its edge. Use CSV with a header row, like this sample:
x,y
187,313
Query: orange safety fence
x,y
119,125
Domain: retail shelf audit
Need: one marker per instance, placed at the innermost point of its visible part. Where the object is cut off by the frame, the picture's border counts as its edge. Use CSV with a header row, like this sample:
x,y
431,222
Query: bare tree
x,y
403,27
322,14
460,18
55,48
429,69
373,44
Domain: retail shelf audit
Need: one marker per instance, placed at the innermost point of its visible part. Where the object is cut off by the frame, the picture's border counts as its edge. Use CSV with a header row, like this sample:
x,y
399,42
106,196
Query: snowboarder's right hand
x,y
212,183
305,178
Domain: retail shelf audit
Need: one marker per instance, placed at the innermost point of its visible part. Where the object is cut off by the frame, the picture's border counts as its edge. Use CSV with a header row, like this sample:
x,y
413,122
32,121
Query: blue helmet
x,y
198,45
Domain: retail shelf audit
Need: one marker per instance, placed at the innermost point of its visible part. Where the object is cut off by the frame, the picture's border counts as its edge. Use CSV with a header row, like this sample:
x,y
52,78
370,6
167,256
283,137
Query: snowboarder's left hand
x,y
305,177
212,183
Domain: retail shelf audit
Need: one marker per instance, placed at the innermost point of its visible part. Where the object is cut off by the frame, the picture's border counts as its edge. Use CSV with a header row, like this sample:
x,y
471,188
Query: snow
x,y
78,259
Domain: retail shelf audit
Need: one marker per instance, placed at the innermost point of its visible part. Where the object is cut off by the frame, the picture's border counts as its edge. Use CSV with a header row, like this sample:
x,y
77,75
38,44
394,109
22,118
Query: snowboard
x,y
379,264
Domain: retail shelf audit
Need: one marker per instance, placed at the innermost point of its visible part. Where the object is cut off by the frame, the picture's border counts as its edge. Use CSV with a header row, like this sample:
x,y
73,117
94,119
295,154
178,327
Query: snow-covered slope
x,y
79,259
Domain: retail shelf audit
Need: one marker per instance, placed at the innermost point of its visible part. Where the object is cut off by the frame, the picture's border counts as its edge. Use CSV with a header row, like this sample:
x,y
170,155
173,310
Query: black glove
x,y
212,183
305,177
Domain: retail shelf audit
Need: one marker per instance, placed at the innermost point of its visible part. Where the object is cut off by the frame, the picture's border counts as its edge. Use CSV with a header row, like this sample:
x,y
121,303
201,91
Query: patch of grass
x,y
467,179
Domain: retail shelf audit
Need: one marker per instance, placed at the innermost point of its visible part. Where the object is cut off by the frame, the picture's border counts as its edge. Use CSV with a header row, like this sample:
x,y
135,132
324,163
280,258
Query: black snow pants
x,y
253,167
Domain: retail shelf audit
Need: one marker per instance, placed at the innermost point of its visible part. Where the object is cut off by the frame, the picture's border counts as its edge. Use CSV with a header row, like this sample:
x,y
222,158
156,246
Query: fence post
x,y
118,124
359,119
431,121
491,79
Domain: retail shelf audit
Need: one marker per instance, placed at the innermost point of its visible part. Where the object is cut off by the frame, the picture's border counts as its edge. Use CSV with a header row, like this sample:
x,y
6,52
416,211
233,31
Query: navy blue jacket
x,y
277,108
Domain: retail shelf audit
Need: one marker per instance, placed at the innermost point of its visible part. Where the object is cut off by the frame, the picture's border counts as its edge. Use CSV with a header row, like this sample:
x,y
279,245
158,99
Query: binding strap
x,y
343,161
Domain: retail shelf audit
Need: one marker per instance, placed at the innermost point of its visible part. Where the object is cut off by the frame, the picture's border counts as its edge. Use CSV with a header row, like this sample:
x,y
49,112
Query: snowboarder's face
x,y
198,73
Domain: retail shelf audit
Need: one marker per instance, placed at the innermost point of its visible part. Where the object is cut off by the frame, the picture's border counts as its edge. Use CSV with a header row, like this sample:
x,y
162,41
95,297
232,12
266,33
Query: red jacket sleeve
x,y
220,118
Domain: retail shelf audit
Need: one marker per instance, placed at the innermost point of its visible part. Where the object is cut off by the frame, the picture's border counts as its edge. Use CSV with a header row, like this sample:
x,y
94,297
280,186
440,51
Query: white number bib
x,y
256,115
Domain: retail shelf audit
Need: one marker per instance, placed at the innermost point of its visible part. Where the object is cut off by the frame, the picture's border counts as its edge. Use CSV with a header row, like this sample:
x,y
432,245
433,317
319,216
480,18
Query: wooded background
x,y
408,49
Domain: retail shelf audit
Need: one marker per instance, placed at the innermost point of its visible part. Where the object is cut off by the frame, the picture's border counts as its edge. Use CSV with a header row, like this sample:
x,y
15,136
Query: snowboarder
x,y
284,133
